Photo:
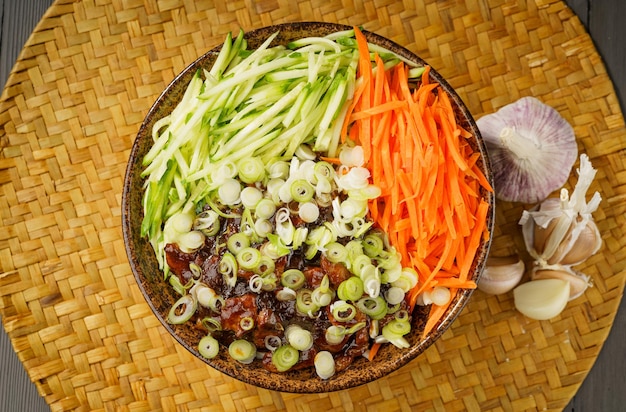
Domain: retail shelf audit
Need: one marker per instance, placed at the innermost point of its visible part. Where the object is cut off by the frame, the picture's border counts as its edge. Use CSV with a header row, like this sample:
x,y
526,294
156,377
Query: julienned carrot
x,y
431,205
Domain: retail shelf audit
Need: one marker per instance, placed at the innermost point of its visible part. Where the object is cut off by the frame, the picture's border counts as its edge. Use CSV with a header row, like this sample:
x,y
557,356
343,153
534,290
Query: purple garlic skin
x,y
532,149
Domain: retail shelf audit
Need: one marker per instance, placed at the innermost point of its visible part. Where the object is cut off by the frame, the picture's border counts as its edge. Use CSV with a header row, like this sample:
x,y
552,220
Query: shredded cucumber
x,y
263,103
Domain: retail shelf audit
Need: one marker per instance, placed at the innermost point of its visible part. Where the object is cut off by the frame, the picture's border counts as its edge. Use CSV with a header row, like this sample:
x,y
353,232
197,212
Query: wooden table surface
x,y
604,389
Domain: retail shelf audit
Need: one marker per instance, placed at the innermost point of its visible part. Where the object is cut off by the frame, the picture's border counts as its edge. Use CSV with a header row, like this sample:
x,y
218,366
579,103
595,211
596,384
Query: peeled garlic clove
x,y
579,282
542,299
501,274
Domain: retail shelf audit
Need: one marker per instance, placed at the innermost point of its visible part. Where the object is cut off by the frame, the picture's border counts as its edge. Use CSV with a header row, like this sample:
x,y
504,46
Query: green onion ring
x,y
182,310
208,347
292,278
249,258
285,357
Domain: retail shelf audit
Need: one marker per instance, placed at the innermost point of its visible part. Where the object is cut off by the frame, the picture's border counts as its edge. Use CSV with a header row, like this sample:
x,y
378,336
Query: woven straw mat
x,y
70,112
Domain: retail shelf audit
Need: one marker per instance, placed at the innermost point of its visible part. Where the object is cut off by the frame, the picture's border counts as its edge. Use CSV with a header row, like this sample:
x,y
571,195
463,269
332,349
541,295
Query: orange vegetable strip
x,y
474,239
436,313
378,109
333,160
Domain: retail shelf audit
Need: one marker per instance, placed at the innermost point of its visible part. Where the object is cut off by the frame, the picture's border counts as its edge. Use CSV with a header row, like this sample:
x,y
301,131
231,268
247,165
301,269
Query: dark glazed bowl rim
x,y
155,290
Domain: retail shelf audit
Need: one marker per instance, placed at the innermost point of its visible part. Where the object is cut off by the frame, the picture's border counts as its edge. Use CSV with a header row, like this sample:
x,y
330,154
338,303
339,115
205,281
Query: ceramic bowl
x,y
160,295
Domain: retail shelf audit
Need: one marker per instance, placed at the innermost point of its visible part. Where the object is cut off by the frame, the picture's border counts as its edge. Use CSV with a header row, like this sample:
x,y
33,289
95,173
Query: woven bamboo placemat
x,y
70,112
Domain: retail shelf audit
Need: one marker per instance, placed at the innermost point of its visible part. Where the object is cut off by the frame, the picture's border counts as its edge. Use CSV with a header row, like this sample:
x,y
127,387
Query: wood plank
x,y
604,389
18,18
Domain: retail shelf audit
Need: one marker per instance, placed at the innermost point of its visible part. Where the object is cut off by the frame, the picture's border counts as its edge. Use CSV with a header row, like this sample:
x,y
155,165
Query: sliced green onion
x,y
324,364
262,227
229,192
182,310
255,283
299,338
274,247
207,222
359,263
391,260
273,188
352,156
196,271
178,286
248,258
356,178
181,222
208,298
292,278
392,274
246,323
350,289
320,237
285,357
299,237
228,268
370,275
191,241
373,245
278,170
208,347
375,308
367,193
335,334
211,324
397,327
272,342
407,280
269,281
324,170
394,295
301,191
336,252
250,197
251,170
343,311
227,170
309,212
304,151
265,209
266,265
305,304
355,249
284,227
351,208
321,298
237,242
243,351
286,294
440,295
323,189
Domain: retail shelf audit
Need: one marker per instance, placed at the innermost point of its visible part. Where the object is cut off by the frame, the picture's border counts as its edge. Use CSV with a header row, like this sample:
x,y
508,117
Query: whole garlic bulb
x,y
561,230
532,149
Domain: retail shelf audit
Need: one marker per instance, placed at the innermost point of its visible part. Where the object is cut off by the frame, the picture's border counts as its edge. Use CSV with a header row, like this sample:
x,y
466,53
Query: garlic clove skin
x,y
579,282
561,230
501,274
586,244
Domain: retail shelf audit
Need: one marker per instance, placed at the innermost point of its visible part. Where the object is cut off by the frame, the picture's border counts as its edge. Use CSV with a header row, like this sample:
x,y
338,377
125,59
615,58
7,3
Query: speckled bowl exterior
x,y
160,295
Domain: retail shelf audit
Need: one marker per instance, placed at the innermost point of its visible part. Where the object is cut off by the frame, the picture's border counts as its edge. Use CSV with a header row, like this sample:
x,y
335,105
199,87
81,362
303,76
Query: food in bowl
x,y
303,199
